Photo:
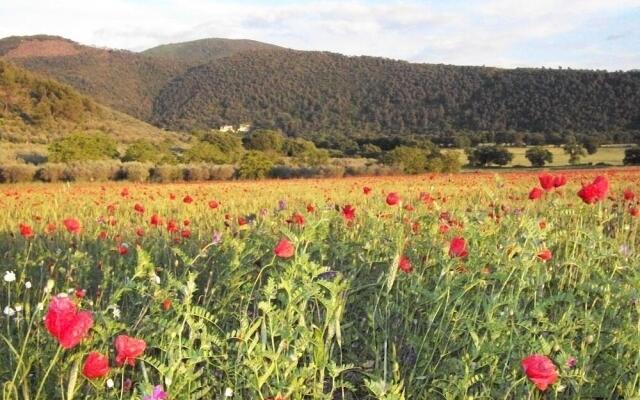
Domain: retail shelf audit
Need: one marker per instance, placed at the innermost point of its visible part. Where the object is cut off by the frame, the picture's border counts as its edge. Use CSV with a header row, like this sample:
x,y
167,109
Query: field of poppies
x,y
468,286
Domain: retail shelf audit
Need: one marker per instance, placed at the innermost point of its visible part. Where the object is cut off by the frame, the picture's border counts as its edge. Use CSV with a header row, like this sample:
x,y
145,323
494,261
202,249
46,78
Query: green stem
x,y
46,375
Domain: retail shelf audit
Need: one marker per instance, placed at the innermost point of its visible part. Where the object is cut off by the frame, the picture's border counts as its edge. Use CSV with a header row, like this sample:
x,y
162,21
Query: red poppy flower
x,y
542,224
80,293
128,349
366,190
595,191
140,232
559,180
545,255
296,219
393,198
405,264
95,366
628,195
186,233
124,192
284,249
408,207
311,208
26,231
72,225
242,221
123,250
213,204
540,370
634,211
458,247
187,199
348,212
166,304
65,323
443,228
535,193
139,208
155,220
546,181
172,226
426,198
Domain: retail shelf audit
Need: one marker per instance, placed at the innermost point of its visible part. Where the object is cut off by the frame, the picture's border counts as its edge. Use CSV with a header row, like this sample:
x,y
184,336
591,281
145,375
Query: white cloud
x,y
476,32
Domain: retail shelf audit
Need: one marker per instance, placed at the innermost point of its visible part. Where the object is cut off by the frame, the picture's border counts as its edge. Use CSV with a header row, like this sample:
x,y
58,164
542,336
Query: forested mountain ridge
x,y
303,92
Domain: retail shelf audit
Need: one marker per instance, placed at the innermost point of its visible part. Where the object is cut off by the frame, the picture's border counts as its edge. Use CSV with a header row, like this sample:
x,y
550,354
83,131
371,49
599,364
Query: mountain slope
x,y
303,92
205,50
126,81
36,109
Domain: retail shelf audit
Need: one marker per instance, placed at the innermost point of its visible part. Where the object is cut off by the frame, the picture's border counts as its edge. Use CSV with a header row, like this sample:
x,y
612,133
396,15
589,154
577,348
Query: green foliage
x,y
83,147
412,160
265,140
206,152
229,143
483,156
632,156
538,156
305,152
574,150
591,144
255,165
146,151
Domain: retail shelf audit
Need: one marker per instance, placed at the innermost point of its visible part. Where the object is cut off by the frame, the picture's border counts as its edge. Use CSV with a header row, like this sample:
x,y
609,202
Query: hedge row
x,y
140,172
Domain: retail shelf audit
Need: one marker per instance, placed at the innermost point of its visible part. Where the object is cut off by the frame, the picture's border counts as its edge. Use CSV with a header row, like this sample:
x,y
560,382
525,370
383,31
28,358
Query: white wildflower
x,y
27,284
9,276
116,312
110,383
228,392
9,312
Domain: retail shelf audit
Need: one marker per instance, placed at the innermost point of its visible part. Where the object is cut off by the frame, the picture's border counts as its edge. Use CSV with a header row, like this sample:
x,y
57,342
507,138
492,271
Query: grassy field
x,y
424,287
612,155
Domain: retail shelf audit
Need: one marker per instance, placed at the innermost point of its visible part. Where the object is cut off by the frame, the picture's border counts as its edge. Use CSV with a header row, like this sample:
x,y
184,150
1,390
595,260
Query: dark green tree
x,y
632,156
538,156
483,156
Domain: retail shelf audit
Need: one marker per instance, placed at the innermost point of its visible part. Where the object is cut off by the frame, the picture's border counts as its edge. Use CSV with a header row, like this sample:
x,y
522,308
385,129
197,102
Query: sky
x,y
587,34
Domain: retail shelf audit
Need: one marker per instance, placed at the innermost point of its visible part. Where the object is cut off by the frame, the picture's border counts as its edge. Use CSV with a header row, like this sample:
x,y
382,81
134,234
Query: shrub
x,y
50,172
206,152
411,160
195,172
99,171
146,151
15,173
221,172
83,147
265,140
165,173
229,143
255,165
632,156
135,171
